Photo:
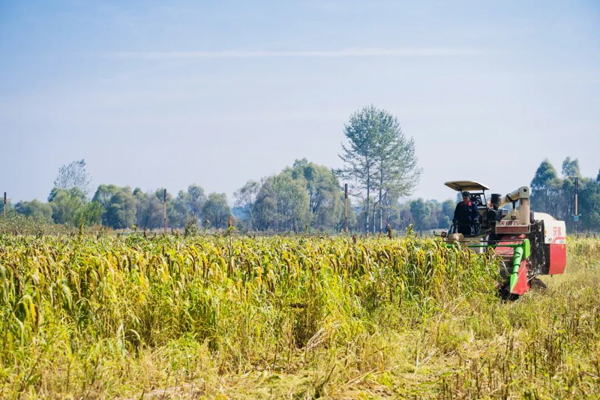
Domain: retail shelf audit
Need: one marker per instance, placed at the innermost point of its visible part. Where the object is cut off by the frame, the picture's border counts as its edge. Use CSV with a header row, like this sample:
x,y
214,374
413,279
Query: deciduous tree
x,y
65,204
35,209
73,175
245,199
378,156
420,211
359,155
324,193
120,213
216,210
195,200
149,211
545,188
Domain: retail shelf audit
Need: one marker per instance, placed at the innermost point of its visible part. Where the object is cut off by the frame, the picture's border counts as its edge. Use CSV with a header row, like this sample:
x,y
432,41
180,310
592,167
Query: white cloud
x,y
351,52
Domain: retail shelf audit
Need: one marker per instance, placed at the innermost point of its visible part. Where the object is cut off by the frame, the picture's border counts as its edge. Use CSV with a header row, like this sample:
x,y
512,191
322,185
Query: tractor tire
x,y
505,294
537,284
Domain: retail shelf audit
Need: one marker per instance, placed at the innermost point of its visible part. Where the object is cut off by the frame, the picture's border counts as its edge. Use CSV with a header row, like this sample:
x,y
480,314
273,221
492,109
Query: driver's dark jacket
x,y
466,213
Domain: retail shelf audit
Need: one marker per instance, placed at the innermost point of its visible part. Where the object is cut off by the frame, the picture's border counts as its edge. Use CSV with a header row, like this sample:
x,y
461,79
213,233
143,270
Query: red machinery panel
x,y
522,285
507,252
558,257
511,227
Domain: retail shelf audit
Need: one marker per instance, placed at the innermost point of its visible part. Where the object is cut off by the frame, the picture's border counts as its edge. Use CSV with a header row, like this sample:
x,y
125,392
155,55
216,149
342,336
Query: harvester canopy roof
x,y
470,186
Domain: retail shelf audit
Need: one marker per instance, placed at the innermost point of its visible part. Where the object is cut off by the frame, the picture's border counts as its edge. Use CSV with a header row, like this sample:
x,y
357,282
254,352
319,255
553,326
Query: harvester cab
x,y
529,244
476,196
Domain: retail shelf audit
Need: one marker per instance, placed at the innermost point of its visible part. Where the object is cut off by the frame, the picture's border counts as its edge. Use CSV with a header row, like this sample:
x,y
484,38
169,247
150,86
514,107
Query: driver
x,y
465,215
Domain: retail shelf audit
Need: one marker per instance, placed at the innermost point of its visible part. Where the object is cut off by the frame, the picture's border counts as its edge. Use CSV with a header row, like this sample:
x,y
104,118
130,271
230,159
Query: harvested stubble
x,y
281,317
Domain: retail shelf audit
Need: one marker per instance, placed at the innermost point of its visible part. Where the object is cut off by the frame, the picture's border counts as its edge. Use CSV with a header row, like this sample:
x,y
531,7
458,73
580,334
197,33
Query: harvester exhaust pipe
x,y
496,198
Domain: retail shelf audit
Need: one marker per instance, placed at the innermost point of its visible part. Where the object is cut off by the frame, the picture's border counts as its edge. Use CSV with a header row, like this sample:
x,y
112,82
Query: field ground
x,y
290,318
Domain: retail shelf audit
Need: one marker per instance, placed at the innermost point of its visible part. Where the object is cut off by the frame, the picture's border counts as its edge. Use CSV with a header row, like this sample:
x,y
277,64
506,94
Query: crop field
x,y
288,317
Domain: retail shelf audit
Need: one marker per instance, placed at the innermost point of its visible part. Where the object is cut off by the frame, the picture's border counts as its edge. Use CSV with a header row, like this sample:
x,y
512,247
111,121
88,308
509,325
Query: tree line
x,y
304,196
379,163
122,208
555,195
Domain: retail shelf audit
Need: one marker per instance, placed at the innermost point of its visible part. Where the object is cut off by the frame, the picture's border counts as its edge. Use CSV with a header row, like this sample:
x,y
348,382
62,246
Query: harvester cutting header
x,y
530,243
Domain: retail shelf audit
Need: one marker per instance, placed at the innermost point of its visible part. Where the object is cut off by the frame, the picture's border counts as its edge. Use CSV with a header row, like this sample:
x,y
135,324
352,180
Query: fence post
x,y
5,205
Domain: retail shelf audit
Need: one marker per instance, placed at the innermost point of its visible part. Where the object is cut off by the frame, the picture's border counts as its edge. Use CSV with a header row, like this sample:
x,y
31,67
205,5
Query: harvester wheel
x,y
505,294
537,284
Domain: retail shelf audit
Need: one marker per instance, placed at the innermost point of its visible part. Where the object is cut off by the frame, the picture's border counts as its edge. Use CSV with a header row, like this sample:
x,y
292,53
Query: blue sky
x,y
165,93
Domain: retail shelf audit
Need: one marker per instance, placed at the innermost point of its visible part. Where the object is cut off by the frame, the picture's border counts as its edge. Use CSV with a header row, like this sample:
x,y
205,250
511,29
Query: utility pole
x,y
5,204
576,214
165,212
346,206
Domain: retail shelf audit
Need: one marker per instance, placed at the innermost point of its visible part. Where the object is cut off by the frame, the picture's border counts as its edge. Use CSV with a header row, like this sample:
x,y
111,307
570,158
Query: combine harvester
x,y
530,243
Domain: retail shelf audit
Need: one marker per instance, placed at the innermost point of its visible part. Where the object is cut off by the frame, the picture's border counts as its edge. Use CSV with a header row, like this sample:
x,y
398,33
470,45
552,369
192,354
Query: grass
x,y
233,317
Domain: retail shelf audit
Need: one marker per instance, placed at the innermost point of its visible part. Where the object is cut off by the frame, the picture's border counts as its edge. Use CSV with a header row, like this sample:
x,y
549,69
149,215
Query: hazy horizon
x,y
218,94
